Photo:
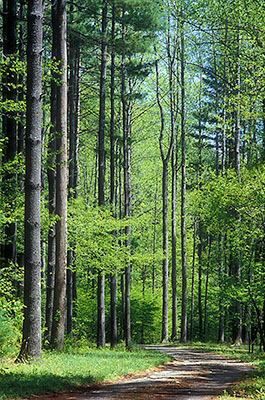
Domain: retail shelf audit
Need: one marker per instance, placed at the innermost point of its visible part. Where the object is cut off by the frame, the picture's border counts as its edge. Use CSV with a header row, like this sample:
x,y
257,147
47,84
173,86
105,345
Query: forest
x,y
132,185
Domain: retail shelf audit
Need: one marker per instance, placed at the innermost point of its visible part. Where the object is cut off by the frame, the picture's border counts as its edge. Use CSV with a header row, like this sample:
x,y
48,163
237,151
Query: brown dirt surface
x,y
192,375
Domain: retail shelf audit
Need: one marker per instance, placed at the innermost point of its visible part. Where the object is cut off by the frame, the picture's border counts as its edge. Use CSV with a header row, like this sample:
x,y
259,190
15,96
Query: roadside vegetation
x,y
253,386
74,367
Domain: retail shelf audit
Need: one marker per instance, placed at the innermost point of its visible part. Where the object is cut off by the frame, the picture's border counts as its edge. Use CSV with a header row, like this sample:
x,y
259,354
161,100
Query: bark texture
x,y
31,342
61,181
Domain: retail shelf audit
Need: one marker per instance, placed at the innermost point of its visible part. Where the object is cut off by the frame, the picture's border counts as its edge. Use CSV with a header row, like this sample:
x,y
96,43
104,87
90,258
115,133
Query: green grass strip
x,y
60,371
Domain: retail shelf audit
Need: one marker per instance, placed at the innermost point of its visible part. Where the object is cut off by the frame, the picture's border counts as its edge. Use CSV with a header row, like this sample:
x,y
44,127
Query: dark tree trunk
x,y
101,339
57,338
127,192
101,336
172,77
31,342
200,247
102,99
221,333
74,61
165,161
165,251
154,240
113,192
122,306
183,337
206,290
192,282
51,172
238,305
9,126
21,122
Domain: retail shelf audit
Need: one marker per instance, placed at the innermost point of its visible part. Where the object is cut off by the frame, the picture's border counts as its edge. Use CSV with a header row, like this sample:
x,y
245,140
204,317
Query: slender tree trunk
x,y
221,334
165,161
200,231
57,337
101,339
51,172
154,241
74,61
127,194
183,337
192,281
206,289
113,192
165,253
31,342
173,75
200,247
238,305
9,126
21,122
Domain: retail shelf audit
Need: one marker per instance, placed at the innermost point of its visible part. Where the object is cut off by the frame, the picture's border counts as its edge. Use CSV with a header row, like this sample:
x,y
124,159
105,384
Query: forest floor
x,y
192,374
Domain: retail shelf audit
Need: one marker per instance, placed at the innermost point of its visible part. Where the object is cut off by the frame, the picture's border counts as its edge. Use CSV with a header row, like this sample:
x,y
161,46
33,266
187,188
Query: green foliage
x,y
92,234
146,317
9,334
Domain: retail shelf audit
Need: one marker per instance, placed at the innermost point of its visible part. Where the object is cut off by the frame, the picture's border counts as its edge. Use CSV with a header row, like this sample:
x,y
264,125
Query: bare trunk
x,y
206,289
57,338
192,282
113,191
165,161
165,253
127,194
73,164
9,126
183,337
31,342
221,334
51,172
154,241
101,338
101,335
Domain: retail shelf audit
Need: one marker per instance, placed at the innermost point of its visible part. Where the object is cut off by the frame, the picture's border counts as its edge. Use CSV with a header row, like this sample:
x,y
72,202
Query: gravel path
x,y
192,375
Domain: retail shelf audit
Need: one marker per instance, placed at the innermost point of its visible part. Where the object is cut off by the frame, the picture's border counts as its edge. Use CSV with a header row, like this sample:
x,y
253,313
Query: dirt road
x,y
192,375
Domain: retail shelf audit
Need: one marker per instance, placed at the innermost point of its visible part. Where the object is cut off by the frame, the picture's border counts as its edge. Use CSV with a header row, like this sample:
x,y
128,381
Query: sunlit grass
x,y
75,367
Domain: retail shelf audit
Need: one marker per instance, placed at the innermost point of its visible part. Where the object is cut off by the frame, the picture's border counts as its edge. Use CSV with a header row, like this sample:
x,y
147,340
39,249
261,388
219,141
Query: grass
x,y
253,386
73,368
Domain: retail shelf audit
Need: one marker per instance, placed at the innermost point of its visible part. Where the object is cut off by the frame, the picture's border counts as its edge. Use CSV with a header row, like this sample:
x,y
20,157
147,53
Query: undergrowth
x,y
72,368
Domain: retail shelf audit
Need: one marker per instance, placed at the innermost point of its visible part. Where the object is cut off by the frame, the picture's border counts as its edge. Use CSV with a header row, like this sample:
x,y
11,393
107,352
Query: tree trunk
x,y
101,335
101,339
127,192
183,337
165,253
31,342
192,282
200,247
113,192
9,126
165,160
154,241
172,77
57,338
51,172
238,304
74,62
221,334
206,289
